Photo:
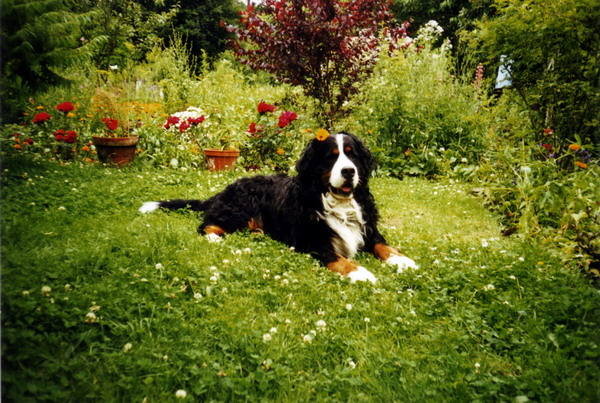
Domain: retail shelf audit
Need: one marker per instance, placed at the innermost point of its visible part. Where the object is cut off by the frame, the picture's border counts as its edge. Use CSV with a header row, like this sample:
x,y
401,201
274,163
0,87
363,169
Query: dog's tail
x,y
177,204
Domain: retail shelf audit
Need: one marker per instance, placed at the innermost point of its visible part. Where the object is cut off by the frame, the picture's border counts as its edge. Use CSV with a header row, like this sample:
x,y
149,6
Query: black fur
x,y
287,207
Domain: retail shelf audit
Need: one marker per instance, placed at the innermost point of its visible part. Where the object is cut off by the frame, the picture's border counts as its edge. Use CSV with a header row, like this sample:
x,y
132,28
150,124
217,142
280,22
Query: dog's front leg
x,y
392,257
348,268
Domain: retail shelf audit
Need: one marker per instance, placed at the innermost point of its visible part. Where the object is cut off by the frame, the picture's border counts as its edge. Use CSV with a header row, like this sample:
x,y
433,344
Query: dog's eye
x,y
335,151
348,149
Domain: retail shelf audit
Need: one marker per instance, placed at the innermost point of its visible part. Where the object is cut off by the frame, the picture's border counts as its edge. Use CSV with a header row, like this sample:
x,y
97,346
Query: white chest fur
x,y
344,217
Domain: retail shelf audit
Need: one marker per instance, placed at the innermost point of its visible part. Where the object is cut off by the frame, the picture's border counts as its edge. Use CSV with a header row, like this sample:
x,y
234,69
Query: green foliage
x,y
420,119
554,48
101,303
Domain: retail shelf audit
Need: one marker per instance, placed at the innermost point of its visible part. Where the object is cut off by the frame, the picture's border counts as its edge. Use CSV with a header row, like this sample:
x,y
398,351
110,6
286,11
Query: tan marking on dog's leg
x,y
256,225
384,252
342,266
214,229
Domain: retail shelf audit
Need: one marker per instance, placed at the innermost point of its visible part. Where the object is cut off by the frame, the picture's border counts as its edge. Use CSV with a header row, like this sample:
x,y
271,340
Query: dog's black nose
x,y
348,172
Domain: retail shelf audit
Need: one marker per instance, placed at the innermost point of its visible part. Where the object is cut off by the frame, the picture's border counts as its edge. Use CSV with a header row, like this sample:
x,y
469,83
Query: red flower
x,y
65,107
548,147
184,126
253,128
70,137
111,123
264,107
286,118
28,141
196,121
41,117
59,135
548,132
171,120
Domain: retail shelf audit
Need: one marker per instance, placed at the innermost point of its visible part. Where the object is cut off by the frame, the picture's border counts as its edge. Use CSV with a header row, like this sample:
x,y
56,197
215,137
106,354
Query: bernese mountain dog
x,y
327,210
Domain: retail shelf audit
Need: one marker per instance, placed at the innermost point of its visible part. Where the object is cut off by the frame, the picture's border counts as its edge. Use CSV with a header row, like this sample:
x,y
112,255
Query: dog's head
x,y
339,164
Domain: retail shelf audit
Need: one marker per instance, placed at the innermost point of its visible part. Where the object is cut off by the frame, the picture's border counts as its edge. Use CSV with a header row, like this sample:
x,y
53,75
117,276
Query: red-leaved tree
x,y
326,46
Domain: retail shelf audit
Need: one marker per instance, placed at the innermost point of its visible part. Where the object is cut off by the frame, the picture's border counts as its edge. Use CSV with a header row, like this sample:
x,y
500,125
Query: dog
x,y
326,210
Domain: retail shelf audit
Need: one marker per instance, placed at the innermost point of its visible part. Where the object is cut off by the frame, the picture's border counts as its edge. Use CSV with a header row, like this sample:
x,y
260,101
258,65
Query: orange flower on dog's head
x,y
322,134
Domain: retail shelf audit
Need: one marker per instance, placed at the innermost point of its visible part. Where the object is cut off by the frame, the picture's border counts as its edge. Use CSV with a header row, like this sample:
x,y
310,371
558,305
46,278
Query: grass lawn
x,y
101,303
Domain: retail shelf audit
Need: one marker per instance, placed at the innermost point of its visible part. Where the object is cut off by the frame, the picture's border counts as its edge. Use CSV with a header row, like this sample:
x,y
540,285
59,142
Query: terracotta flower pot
x,y
117,151
220,160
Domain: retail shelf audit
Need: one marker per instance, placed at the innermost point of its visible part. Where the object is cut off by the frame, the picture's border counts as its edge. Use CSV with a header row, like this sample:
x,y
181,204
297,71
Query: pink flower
x,y
41,117
196,121
264,107
171,120
184,126
70,137
286,118
111,123
65,107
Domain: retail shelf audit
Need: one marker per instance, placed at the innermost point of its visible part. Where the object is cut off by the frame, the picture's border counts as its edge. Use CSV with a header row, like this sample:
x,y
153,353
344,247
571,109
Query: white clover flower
x,y
181,394
90,317
277,277
413,313
526,170
197,295
62,208
489,287
512,277
159,266
307,339
46,290
321,312
25,292
267,337
484,243
321,325
352,364
285,281
273,330
247,251
238,252
367,320
214,279
127,347
225,261
349,307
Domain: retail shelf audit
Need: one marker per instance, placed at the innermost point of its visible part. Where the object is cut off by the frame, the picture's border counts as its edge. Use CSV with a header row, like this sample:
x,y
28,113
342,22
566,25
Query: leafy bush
x,y
420,119
553,48
327,47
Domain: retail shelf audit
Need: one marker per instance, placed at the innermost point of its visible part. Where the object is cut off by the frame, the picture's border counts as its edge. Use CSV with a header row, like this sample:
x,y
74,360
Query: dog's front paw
x,y
361,274
213,238
402,263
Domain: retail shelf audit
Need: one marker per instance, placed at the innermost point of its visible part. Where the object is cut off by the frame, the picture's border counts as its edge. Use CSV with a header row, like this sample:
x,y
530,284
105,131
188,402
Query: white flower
x,y
62,208
159,266
181,394
25,292
484,243
321,325
512,277
127,347
349,307
321,312
489,287
352,364
90,317
213,268
247,251
307,339
288,321
197,295
46,290
214,279
238,252
225,261
367,320
113,67
273,330
267,337
526,170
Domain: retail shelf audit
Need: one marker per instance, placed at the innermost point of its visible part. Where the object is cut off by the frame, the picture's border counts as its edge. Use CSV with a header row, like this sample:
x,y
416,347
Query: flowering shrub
x,y
271,140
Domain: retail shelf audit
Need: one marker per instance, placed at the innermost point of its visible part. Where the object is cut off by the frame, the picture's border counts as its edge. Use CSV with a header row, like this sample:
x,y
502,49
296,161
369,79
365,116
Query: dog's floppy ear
x,y
306,162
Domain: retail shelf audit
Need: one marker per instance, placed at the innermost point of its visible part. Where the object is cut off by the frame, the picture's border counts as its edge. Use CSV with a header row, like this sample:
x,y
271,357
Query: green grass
x,y
485,318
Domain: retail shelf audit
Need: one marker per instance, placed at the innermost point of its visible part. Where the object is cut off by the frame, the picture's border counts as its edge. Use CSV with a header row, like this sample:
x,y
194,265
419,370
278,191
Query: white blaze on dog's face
x,y
344,174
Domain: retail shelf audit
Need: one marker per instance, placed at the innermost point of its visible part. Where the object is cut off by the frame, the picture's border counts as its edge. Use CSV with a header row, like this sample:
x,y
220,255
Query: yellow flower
x,y
574,147
581,164
85,148
70,115
39,107
280,151
322,134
